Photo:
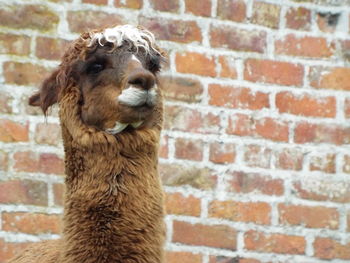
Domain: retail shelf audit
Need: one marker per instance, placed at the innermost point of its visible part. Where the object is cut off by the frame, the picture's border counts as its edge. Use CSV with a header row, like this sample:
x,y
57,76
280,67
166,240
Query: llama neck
x,y
113,207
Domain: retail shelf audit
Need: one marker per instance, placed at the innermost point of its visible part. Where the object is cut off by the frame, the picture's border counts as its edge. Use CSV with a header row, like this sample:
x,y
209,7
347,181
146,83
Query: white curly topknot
x,y
137,37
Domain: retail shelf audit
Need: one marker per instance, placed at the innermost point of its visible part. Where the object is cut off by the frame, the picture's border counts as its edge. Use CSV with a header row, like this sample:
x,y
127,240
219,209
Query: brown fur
x,y
114,203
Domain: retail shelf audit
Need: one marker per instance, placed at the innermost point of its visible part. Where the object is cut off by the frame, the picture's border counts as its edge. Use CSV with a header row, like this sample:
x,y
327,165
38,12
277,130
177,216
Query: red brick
x,y
347,108
327,22
34,224
9,250
36,17
168,6
257,156
5,102
258,213
298,18
135,4
322,190
3,161
96,2
305,104
245,125
241,182
228,67
189,149
344,49
178,204
289,159
237,39
275,243
327,248
58,194
314,47
183,119
308,216
235,97
234,10
222,153
238,259
48,133
330,78
11,131
274,72
183,257
173,30
323,162
217,236
50,48
266,14
195,63
177,175
199,8
24,73
14,45
82,21
346,164
182,89
320,133
50,163
23,192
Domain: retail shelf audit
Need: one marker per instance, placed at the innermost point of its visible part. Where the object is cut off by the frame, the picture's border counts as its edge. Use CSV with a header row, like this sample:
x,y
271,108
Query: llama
x,y
111,117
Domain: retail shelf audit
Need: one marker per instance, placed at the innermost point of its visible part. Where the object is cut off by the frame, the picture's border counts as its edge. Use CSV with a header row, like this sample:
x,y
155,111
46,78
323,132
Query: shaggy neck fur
x,y
113,204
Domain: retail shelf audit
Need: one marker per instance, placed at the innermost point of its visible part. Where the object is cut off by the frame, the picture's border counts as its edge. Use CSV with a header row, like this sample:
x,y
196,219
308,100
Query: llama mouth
x,y
119,127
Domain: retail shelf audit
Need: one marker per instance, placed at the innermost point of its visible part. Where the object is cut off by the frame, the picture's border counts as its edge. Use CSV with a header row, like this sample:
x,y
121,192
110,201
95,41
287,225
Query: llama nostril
x,y
142,79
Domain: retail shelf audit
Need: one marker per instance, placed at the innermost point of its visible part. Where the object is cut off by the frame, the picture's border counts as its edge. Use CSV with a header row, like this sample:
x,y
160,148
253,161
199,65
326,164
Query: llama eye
x,y
95,68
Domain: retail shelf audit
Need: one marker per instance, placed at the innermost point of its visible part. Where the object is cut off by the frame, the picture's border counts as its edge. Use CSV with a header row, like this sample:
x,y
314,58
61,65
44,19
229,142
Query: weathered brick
x,y
257,156
289,159
274,72
195,63
344,49
347,108
167,6
306,105
306,132
189,149
308,216
314,47
24,73
96,2
183,119
237,39
327,22
222,153
266,14
298,18
14,44
48,133
45,163
234,10
182,89
346,164
327,248
227,67
337,78
217,236
50,48
81,21
245,125
183,257
173,30
37,17
5,102
11,131
135,4
31,223
164,147
178,204
176,175
58,194
9,250
23,192
199,8
3,161
241,182
323,162
275,243
236,97
237,259
257,212
322,190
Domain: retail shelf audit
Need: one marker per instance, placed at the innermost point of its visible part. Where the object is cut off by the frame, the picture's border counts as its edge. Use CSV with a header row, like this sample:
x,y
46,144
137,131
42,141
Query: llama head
x,y
114,70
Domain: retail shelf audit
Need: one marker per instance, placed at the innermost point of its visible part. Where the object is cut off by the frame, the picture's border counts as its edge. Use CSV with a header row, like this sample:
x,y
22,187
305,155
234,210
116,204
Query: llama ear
x,y
48,94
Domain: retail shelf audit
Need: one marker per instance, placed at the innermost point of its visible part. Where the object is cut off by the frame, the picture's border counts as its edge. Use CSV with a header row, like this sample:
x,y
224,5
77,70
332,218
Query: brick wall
x,y
255,154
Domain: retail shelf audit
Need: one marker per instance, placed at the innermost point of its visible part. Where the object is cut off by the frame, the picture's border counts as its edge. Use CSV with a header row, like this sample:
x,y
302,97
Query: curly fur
x,y
113,208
